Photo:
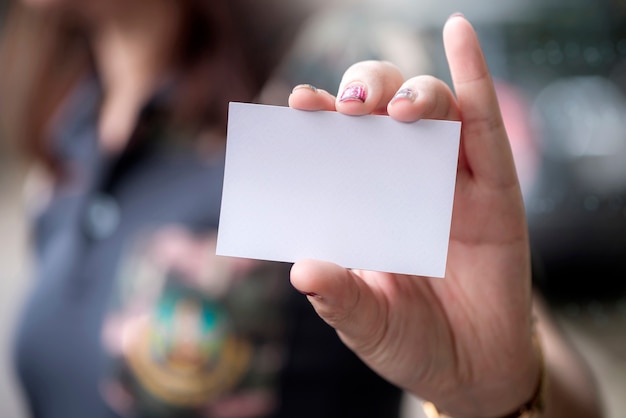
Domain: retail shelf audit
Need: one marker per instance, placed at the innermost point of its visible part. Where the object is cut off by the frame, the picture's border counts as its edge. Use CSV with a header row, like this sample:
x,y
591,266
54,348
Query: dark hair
x,y
227,51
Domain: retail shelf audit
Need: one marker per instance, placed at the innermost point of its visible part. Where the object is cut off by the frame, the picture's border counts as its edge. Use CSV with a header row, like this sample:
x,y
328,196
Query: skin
x,y
464,342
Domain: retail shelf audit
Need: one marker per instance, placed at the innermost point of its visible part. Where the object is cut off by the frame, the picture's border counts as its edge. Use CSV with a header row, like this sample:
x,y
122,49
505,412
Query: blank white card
x,y
364,192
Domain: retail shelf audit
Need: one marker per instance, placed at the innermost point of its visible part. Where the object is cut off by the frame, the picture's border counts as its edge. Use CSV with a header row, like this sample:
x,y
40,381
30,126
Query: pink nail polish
x,y
312,295
305,86
406,94
353,92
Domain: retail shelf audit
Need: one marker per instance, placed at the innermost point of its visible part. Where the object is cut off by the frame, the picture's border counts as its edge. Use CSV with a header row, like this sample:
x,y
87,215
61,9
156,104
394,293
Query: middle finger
x,y
367,87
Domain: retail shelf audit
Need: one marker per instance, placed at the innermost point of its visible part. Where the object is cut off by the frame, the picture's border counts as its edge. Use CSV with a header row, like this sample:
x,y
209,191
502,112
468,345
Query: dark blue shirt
x,y
86,235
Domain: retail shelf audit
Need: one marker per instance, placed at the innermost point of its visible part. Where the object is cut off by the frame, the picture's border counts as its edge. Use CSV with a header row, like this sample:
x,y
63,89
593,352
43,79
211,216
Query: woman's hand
x,y
463,342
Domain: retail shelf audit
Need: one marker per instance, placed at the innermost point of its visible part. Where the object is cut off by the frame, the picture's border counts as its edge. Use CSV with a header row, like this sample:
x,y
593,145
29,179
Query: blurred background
x,y
560,69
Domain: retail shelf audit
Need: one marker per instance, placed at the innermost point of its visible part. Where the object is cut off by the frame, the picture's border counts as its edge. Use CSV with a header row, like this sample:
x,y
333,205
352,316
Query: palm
x,y
450,318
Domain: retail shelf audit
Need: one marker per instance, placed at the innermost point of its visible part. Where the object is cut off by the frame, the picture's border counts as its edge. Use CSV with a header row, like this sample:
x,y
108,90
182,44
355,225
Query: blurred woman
x,y
122,106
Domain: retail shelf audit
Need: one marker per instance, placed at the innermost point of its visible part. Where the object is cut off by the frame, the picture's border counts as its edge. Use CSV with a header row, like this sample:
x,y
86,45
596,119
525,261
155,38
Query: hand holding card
x,y
465,342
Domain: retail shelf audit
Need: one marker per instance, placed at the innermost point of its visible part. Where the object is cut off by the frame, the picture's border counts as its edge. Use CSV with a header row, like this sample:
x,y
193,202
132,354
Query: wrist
x,y
530,406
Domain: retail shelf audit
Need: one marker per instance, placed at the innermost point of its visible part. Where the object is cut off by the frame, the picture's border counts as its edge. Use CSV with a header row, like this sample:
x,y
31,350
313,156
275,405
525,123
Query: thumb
x,y
342,299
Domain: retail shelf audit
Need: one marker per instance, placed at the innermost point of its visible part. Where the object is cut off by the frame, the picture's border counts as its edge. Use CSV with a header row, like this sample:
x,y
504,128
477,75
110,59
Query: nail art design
x,y
311,295
305,86
404,93
353,92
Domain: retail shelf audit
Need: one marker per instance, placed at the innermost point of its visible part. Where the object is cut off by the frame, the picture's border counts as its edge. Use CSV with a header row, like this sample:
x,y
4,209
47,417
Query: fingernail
x,y
353,92
312,295
457,14
305,86
404,94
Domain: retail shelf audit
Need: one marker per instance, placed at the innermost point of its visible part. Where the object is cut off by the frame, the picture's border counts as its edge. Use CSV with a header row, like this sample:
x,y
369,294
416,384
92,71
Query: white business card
x,y
365,192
